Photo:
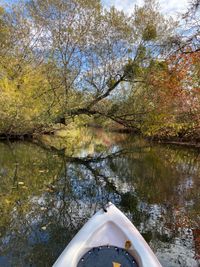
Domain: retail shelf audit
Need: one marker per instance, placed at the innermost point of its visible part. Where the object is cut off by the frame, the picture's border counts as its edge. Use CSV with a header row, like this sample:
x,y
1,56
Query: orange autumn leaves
x,y
175,83
171,96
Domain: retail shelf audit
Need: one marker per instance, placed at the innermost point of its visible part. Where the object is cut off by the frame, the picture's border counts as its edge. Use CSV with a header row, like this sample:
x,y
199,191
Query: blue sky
x,y
168,7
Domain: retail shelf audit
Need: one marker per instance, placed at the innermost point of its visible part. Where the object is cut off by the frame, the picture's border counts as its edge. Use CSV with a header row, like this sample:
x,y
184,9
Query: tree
x,y
27,101
189,41
69,58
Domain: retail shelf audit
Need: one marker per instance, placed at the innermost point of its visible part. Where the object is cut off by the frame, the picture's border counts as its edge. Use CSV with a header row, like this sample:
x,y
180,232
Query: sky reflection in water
x,y
47,195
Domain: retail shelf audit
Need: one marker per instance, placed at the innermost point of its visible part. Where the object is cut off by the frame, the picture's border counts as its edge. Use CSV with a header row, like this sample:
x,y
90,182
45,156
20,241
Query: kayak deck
x,y
107,256
109,228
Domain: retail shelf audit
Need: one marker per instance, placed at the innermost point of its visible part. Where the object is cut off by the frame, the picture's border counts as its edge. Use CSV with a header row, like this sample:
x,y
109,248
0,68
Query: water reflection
x,y
47,195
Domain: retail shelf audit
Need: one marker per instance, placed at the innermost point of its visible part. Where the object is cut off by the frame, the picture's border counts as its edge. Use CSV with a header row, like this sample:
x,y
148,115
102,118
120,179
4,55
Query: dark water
x,y
47,195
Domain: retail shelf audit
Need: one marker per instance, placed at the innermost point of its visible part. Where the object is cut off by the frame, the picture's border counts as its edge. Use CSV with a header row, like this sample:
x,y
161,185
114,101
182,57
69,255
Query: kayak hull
x,y
110,228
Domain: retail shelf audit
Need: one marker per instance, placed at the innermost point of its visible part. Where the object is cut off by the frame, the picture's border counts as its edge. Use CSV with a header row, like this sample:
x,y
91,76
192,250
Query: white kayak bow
x,y
110,228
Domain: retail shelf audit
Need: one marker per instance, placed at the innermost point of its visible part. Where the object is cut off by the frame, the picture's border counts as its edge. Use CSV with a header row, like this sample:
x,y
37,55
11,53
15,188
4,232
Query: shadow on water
x,y
47,195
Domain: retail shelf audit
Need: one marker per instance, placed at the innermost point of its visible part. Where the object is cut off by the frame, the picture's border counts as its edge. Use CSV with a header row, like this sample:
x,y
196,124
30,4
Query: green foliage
x,y
158,65
24,102
101,62
132,69
150,33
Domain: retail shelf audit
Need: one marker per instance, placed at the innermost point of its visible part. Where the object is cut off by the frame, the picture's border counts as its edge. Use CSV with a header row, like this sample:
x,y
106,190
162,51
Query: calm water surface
x,y
46,195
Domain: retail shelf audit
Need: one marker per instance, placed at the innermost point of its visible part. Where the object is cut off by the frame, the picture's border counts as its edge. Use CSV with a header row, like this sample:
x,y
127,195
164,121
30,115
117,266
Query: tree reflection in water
x,y
47,195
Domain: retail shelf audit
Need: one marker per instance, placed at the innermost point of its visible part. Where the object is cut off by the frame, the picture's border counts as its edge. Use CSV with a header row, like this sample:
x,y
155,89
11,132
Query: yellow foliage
x,y
25,100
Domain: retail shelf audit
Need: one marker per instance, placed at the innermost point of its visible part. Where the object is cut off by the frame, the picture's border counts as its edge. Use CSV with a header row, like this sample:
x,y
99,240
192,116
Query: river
x,y
47,194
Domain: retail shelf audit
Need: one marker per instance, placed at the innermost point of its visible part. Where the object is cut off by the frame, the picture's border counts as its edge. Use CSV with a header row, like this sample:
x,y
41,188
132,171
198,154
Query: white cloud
x,y
173,7
125,5
168,7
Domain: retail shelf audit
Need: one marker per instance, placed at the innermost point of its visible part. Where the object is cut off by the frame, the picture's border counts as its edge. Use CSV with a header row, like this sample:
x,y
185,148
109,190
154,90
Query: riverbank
x,y
34,133
61,130
191,144
173,140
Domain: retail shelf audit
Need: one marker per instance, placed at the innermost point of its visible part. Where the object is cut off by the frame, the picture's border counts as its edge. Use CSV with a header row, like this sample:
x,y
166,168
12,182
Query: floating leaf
x,y
20,183
49,190
42,171
7,201
25,187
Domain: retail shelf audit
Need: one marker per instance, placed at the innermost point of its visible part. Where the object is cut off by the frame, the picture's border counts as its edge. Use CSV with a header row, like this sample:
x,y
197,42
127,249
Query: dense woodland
x,y
64,61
